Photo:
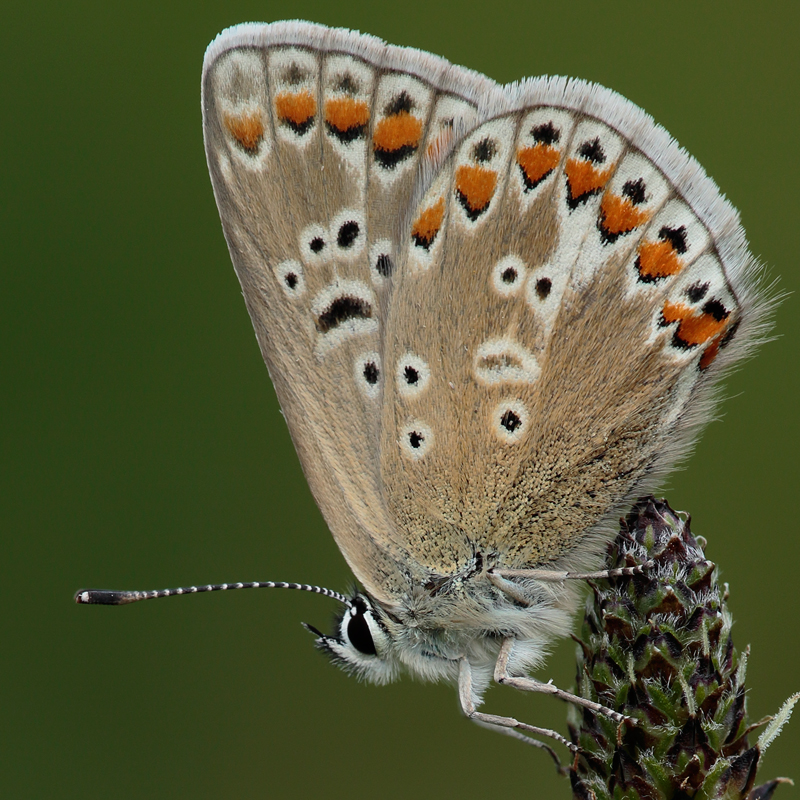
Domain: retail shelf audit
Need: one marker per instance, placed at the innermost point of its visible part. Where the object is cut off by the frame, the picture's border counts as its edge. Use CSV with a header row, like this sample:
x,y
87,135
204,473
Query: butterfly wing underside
x,y
583,288
314,140
481,343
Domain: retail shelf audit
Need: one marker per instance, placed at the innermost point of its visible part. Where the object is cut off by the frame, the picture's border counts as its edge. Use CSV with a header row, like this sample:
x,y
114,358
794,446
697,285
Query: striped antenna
x,y
106,597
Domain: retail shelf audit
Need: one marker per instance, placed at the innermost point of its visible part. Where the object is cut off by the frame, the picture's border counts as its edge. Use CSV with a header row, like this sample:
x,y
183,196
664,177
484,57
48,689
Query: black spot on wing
x,y
676,237
592,151
341,310
398,104
384,265
635,191
348,233
543,287
371,373
696,292
510,420
546,133
484,150
410,375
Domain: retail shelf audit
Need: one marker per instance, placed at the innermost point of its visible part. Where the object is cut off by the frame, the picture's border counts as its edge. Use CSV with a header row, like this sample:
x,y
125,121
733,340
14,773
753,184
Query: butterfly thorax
x,y
433,628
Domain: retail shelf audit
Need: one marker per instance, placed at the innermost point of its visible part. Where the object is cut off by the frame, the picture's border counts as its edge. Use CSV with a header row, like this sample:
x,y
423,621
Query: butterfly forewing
x,y
315,145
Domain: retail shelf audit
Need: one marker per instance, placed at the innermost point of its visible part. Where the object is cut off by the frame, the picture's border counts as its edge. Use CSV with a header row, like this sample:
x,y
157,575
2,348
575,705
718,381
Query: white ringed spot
x,y
510,421
341,310
413,375
347,233
508,275
504,360
291,278
381,261
315,247
416,439
367,371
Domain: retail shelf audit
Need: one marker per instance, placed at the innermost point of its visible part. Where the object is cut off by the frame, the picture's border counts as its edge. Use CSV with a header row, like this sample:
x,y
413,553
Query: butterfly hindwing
x,y
567,317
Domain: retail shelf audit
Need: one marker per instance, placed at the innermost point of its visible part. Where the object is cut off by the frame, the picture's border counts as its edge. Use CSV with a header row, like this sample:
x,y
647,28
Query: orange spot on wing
x,y
247,129
397,131
658,260
537,162
584,178
475,186
672,312
296,108
346,113
428,224
693,328
697,330
619,215
710,353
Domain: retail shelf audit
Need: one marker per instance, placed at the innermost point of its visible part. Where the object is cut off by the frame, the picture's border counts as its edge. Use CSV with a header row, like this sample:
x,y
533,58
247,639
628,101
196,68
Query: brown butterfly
x,y
493,315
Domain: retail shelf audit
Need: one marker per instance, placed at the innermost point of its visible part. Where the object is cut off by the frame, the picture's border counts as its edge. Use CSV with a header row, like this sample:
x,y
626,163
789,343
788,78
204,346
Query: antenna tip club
x,y
104,598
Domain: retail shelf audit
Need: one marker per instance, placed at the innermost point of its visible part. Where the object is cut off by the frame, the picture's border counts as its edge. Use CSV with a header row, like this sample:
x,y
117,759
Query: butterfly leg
x,y
527,684
507,725
514,734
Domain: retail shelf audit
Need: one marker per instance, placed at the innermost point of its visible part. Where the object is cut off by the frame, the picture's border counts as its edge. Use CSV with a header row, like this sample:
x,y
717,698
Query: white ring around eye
x,y
347,234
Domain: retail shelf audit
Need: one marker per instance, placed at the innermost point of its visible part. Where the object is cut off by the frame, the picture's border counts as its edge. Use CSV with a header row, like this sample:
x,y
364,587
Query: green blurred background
x,y
144,446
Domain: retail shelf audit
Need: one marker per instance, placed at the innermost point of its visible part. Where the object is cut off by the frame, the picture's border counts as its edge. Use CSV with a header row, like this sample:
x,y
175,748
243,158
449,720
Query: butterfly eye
x,y
359,634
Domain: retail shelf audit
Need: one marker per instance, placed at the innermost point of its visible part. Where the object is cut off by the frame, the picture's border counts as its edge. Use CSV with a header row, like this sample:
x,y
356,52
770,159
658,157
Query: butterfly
x,y
493,316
